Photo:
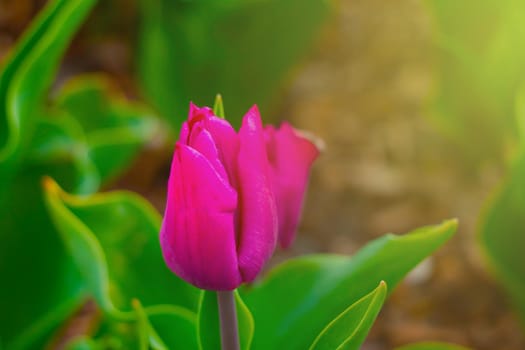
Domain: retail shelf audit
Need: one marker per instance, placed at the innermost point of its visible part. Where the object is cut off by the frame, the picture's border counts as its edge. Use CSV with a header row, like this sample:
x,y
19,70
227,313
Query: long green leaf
x,y
28,74
298,298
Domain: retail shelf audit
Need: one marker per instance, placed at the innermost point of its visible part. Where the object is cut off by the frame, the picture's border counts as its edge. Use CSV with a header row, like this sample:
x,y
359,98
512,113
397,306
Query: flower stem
x,y
228,320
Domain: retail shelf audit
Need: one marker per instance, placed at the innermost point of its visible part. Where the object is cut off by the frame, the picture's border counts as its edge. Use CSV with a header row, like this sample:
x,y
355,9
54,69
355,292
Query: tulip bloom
x,y
220,224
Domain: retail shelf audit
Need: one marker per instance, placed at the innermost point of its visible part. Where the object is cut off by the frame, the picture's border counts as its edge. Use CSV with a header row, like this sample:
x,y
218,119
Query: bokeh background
x,y
415,101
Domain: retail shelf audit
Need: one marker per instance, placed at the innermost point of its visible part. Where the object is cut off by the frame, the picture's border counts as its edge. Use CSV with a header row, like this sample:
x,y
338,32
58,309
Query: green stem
x,y
228,320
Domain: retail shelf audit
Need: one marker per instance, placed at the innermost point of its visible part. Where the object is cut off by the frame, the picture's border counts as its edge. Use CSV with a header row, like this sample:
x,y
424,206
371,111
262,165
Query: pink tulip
x,y
221,220
291,155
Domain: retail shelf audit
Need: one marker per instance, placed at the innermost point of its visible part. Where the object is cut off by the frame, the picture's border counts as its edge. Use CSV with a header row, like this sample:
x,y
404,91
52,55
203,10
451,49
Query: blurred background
x,y
419,103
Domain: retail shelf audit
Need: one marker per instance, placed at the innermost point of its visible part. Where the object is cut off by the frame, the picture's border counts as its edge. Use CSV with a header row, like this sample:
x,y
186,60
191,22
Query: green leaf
x,y
209,327
113,239
83,343
148,336
12,125
32,258
29,72
114,128
218,107
42,283
243,49
501,232
96,131
41,328
431,346
349,329
155,327
299,297
175,325
60,140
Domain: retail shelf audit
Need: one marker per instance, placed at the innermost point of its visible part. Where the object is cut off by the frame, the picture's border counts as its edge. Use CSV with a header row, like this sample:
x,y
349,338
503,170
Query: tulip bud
x,y
221,219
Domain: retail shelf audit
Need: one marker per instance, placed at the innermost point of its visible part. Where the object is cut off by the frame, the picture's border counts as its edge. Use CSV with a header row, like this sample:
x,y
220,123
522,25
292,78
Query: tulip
x,y
231,196
220,221
291,154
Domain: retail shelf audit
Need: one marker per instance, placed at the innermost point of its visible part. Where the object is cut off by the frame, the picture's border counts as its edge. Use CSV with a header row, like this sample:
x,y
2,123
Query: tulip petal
x,y
195,114
198,113
227,143
202,141
291,156
197,235
256,219
184,133
224,136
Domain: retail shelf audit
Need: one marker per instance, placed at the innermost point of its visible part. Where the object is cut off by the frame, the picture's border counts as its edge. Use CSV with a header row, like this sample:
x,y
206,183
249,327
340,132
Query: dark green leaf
x,y
42,283
29,72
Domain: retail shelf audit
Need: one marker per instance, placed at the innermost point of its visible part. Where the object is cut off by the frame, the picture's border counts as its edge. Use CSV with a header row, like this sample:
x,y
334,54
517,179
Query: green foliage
x,y
31,257
208,329
113,239
191,50
114,129
349,329
175,326
502,235
27,75
82,343
298,298
41,137
480,70
148,335
94,130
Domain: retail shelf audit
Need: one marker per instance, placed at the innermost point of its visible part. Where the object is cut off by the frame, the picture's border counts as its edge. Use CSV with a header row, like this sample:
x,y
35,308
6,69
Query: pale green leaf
x,y
348,330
